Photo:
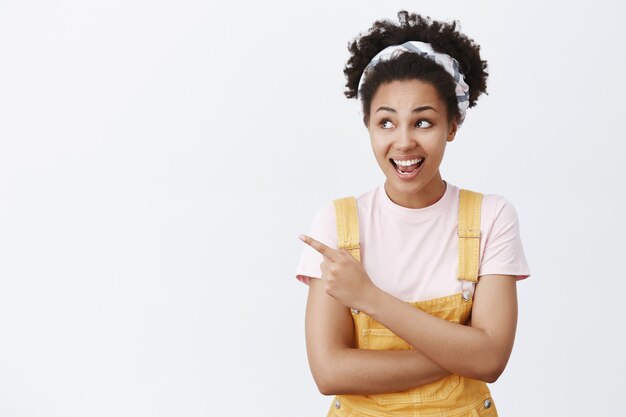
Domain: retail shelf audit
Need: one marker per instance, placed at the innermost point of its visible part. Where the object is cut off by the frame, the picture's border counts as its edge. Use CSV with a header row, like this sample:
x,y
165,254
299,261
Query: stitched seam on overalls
x,y
353,410
468,231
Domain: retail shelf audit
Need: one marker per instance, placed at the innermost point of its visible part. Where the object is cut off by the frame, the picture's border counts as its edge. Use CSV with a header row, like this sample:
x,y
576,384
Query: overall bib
x,y
453,395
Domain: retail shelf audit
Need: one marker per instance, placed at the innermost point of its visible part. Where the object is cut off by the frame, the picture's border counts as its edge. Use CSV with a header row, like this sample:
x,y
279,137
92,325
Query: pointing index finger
x,y
325,250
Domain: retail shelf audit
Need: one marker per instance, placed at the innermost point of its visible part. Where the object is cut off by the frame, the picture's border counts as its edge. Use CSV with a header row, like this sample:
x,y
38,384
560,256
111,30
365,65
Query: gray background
x,y
158,160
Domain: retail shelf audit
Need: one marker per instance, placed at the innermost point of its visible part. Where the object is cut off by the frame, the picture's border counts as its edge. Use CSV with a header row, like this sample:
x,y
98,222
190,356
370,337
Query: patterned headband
x,y
425,49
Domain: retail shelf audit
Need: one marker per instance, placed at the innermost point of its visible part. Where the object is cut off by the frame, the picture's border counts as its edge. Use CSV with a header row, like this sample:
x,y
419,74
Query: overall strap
x,y
469,235
347,225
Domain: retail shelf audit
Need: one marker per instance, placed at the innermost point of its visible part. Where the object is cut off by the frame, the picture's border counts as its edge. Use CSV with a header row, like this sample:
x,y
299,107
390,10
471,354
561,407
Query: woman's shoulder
x,y
496,209
503,248
498,215
498,205
491,201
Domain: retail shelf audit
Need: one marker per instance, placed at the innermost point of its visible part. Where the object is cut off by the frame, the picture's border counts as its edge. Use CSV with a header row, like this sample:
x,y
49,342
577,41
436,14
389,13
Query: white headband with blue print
x,y
424,49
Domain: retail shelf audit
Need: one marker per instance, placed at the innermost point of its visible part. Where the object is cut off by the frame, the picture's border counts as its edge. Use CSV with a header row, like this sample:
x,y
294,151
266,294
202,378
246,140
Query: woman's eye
x,y
423,123
386,124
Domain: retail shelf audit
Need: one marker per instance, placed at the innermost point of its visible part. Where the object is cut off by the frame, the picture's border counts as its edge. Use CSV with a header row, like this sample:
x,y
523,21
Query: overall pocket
x,y
382,339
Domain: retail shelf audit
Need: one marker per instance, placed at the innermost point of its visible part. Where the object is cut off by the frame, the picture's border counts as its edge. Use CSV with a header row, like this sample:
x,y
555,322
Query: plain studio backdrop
x,y
159,159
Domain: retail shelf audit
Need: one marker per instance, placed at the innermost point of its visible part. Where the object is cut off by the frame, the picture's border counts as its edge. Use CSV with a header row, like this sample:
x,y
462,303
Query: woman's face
x,y
409,124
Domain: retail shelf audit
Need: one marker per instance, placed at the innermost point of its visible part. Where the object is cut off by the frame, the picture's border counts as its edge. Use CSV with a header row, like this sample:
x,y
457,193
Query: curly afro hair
x,y
443,37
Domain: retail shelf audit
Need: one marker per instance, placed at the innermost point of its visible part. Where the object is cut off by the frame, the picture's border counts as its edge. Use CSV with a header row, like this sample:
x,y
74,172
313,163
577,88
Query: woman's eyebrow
x,y
415,110
423,108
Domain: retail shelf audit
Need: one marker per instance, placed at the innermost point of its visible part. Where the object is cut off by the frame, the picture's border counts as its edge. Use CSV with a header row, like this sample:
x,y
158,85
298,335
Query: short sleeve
x,y
323,228
503,251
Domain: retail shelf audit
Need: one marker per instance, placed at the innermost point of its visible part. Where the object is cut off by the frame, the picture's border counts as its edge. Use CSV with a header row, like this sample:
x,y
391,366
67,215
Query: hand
x,y
344,277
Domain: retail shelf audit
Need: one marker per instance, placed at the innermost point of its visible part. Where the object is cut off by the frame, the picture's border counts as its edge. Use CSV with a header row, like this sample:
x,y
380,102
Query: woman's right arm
x,y
338,367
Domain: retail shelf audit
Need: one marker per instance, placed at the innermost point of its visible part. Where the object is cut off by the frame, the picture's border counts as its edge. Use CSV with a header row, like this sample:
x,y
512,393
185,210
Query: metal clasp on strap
x,y
467,289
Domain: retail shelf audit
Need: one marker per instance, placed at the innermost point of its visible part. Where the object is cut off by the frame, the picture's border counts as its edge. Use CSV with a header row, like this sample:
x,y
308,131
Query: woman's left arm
x,y
480,351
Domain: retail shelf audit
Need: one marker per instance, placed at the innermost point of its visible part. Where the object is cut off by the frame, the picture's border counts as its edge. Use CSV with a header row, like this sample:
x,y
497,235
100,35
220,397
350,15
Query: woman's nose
x,y
405,139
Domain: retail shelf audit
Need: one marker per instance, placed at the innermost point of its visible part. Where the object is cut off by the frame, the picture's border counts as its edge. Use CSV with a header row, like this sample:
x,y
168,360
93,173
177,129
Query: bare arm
x,y
480,351
339,368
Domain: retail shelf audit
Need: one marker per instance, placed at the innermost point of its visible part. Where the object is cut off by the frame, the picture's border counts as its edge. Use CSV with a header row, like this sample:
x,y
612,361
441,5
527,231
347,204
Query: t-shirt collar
x,y
415,215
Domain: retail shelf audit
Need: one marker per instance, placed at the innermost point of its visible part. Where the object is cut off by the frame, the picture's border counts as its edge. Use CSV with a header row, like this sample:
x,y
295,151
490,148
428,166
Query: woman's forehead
x,y
406,94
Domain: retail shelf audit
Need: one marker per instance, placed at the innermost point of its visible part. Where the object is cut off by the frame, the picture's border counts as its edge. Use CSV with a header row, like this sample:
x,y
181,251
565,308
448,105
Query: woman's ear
x,y
452,131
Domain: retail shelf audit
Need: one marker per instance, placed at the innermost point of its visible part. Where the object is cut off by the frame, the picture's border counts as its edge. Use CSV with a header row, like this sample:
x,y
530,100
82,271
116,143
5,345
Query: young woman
x,y
412,304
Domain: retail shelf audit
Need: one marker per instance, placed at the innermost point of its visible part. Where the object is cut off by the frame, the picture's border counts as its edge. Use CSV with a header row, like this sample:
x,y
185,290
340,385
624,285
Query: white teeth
x,y
407,163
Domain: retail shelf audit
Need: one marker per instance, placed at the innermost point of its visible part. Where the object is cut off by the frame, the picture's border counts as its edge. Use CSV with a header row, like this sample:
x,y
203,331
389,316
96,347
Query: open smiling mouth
x,y
406,168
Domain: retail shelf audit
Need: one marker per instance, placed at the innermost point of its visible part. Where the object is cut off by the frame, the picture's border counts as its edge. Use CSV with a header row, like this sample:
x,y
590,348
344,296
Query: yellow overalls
x,y
453,395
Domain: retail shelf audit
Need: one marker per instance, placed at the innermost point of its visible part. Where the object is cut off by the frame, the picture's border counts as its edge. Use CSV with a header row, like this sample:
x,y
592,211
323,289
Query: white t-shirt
x,y
412,254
